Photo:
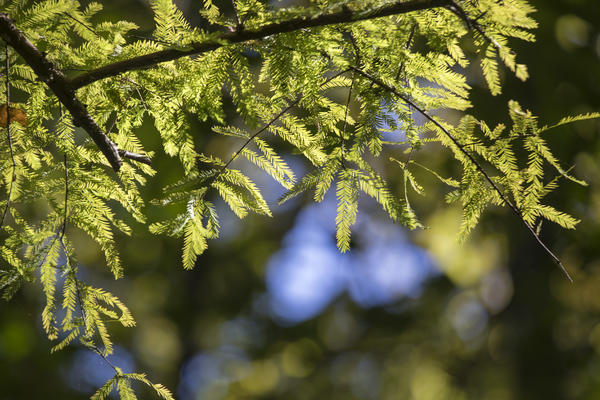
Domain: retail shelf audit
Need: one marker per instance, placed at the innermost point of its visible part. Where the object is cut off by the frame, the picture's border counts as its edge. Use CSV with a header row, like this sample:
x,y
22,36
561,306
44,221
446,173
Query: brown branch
x,y
344,16
479,167
55,79
135,157
58,83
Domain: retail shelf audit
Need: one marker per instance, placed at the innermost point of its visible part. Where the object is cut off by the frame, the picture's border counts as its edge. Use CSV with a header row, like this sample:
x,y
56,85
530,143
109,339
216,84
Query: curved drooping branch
x,y
470,157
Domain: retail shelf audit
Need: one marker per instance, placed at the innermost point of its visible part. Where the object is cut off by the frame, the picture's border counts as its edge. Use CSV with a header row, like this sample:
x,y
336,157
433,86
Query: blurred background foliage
x,y
272,310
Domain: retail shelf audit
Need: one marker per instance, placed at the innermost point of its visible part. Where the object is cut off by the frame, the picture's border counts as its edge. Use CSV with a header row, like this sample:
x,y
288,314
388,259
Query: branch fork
x,y
62,88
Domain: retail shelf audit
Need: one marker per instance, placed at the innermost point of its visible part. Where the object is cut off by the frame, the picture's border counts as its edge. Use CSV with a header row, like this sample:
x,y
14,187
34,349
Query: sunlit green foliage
x,y
293,90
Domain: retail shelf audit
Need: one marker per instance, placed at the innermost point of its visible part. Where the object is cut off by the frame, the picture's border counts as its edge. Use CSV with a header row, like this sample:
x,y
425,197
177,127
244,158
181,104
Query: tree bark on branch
x,y
56,80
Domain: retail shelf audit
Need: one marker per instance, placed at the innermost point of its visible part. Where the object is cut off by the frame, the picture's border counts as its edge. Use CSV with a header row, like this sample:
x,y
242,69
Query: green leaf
x,y
347,207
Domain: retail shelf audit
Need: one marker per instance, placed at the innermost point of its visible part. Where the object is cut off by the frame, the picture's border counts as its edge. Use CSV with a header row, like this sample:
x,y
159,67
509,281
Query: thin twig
x,y
472,23
400,71
357,56
59,235
266,126
128,154
112,125
63,229
83,24
503,197
251,138
140,37
135,157
136,87
9,135
407,47
239,24
93,347
106,360
346,119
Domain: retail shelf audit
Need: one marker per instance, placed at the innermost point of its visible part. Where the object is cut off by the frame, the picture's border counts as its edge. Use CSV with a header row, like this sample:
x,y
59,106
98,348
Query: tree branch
x,y
55,79
479,167
58,83
344,16
135,157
